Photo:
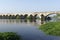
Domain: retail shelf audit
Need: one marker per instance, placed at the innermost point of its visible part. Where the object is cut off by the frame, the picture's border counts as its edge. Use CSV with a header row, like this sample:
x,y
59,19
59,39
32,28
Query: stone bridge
x,y
44,13
33,13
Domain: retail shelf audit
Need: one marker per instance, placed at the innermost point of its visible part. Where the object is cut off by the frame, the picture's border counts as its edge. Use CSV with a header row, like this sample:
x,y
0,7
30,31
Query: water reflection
x,y
16,21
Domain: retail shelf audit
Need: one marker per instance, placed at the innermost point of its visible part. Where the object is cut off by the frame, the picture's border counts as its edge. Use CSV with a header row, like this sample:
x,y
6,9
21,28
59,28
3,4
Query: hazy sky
x,y
29,5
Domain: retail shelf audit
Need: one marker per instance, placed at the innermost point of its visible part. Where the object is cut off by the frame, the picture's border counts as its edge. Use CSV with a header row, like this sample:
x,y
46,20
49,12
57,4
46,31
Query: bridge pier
x,y
42,18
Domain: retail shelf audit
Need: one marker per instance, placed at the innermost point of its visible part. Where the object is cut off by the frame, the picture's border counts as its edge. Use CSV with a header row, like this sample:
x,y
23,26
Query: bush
x,y
51,28
9,36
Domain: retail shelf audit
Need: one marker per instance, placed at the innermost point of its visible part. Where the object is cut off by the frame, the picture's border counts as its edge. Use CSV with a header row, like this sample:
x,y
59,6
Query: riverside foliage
x,y
9,36
51,28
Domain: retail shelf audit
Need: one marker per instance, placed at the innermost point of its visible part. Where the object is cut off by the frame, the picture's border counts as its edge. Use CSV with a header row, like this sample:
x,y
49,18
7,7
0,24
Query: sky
x,y
29,5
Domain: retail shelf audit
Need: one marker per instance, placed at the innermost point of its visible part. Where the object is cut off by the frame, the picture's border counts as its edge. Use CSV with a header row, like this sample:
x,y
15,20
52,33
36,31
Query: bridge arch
x,y
51,15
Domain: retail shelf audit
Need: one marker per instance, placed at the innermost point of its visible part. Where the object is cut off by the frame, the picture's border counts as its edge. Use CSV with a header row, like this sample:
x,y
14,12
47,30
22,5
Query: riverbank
x,y
51,28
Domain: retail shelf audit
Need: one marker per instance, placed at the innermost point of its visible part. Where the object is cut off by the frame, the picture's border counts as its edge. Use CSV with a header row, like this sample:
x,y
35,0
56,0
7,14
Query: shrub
x,y
51,28
9,36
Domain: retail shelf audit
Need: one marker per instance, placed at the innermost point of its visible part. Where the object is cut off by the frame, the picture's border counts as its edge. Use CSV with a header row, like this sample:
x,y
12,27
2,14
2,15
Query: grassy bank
x,y
51,28
9,36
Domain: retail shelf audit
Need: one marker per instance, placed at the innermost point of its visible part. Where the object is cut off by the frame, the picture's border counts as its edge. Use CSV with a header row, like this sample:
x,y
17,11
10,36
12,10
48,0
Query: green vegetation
x,y
9,36
51,28
58,14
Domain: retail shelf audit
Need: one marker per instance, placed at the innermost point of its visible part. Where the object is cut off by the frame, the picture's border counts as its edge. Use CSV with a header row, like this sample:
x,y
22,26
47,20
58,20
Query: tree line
x,y
17,16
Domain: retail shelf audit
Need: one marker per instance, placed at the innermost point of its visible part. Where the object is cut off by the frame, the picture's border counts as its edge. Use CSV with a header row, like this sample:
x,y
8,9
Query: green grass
x,y
9,36
58,14
51,28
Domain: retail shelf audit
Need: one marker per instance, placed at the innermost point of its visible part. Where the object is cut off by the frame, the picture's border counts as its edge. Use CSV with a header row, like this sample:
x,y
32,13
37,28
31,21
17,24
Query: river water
x,y
28,30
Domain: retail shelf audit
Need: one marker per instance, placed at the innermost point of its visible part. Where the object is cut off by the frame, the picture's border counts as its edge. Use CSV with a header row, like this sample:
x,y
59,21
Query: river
x,y
28,30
